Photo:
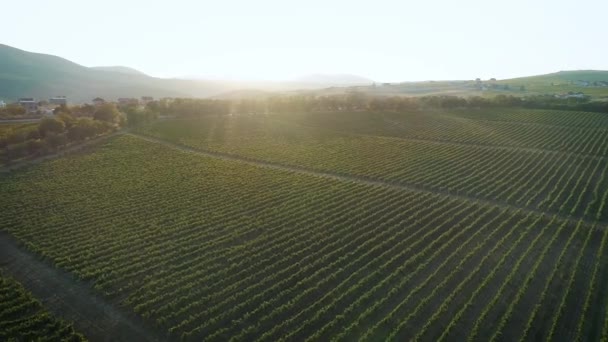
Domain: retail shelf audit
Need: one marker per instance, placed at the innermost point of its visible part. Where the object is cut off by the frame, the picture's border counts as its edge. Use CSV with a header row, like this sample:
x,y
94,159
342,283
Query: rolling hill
x,y
121,69
566,77
28,74
334,80
590,82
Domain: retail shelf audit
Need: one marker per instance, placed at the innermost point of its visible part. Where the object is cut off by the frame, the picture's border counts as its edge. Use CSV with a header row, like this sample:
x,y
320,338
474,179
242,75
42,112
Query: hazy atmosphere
x,y
277,40
304,171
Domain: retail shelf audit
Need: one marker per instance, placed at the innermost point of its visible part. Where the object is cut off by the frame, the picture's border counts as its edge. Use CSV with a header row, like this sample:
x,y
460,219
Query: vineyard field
x,y
206,248
558,168
22,317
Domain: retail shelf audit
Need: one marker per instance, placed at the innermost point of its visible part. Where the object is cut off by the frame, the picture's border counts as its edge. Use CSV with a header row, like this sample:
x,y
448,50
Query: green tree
x,y
107,112
14,109
67,118
55,140
83,128
50,125
62,109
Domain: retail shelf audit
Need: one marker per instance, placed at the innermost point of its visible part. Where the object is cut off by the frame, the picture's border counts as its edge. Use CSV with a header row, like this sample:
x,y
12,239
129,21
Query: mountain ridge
x,y
120,69
39,75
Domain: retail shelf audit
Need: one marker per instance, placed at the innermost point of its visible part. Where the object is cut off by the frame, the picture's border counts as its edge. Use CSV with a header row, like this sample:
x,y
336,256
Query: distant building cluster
x,y
571,95
582,83
58,100
29,104
32,105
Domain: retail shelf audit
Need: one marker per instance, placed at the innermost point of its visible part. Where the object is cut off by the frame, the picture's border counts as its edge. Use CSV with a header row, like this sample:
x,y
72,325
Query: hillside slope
x,y
28,74
121,69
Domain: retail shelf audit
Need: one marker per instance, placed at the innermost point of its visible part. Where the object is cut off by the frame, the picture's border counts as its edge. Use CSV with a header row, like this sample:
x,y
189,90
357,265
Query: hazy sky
x,y
259,39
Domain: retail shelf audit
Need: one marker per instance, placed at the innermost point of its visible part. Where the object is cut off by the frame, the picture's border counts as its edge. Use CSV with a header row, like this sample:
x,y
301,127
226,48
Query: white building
x,y
29,104
58,100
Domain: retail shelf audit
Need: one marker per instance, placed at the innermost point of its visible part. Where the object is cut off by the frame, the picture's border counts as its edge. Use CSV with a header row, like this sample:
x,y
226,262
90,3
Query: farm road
x,y
68,298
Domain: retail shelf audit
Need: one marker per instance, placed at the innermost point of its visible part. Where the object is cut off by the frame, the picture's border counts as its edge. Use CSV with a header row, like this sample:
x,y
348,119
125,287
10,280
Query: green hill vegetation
x,y
28,74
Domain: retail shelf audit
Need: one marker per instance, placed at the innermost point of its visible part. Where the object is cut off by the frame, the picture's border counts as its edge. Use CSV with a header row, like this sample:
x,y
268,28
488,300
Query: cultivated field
x,y
22,317
336,226
510,158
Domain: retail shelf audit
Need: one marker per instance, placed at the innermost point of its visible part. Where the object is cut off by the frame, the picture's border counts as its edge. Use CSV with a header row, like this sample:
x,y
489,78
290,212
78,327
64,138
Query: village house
x,y
571,95
2,104
58,100
146,99
29,104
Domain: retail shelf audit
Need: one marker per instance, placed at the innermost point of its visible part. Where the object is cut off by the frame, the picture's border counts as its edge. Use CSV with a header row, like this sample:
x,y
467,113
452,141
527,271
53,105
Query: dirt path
x,y
69,298
356,179
16,121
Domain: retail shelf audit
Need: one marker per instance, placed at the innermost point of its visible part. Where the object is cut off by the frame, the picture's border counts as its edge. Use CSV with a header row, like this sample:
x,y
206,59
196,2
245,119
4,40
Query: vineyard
x,y
445,237
556,169
22,317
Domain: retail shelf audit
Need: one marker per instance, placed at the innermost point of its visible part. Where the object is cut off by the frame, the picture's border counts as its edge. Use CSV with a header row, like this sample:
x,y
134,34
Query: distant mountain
x,y
334,80
28,74
121,69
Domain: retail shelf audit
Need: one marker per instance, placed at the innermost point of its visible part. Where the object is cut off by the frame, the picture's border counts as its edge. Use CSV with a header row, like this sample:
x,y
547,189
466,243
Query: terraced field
x,y
334,227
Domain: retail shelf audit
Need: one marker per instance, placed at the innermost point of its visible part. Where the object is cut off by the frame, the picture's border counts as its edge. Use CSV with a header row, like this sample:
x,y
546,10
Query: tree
x,y
62,109
107,112
35,146
55,140
67,119
14,109
140,117
84,110
50,125
83,128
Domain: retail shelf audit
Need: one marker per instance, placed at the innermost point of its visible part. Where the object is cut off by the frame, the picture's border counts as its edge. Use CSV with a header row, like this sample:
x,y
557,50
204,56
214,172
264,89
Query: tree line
x,y
188,107
68,125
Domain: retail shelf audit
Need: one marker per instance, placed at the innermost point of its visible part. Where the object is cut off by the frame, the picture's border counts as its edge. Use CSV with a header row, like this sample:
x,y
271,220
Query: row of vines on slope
x,y
210,249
